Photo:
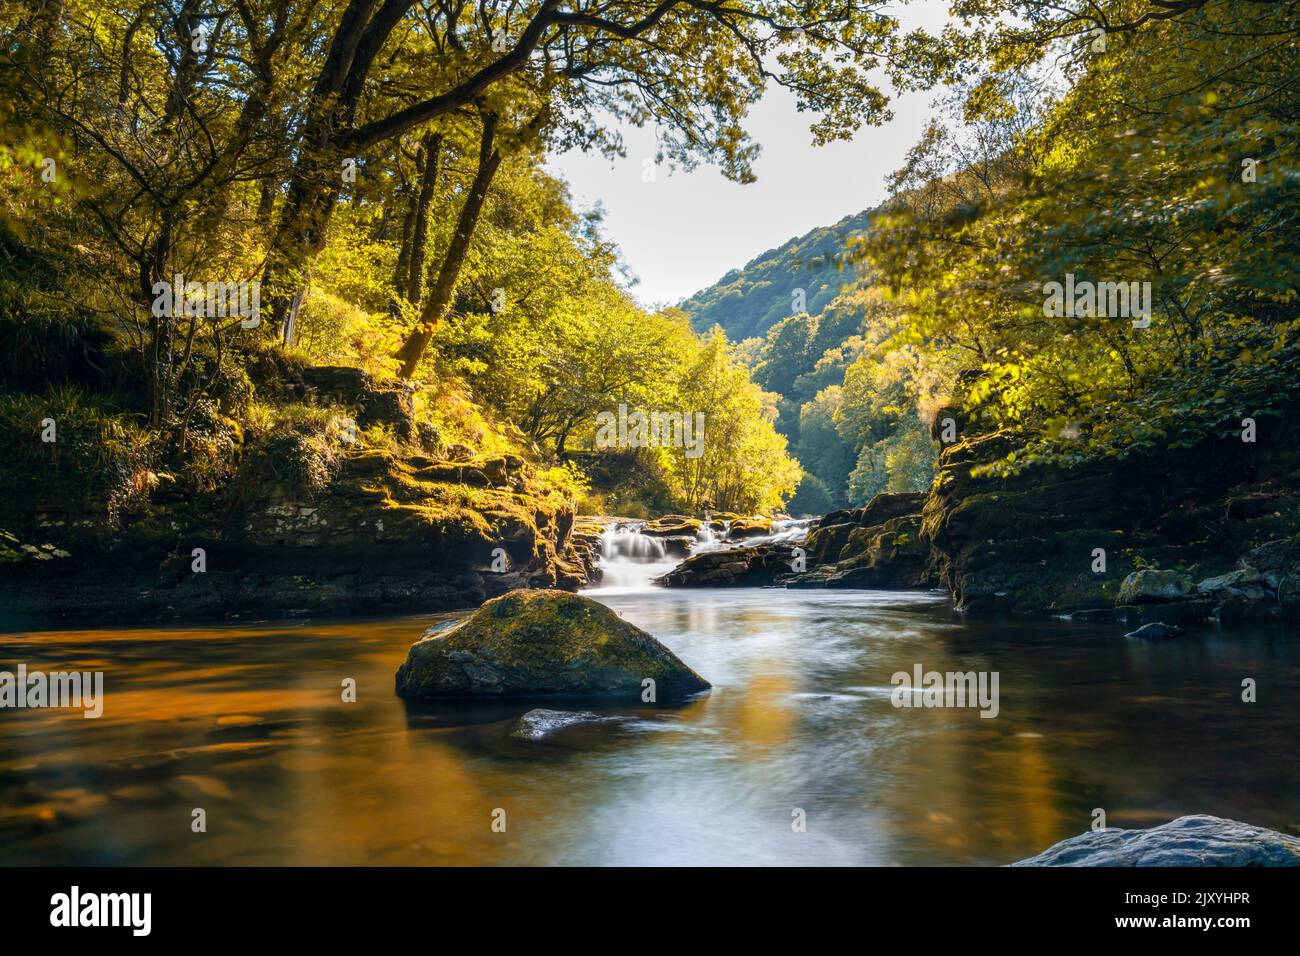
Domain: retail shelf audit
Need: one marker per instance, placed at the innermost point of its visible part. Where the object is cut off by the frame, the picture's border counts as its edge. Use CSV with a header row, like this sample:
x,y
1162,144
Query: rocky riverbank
x,y
1173,536
877,546
344,528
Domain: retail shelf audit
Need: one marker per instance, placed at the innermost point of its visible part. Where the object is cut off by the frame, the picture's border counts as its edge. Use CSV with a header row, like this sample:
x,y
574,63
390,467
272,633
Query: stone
x,y
1198,840
1156,631
672,525
533,643
749,528
1146,586
540,723
1233,579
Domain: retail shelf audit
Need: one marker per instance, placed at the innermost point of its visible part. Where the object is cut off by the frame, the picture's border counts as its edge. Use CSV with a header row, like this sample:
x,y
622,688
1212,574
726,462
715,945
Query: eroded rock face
x,y
531,643
1060,540
1198,840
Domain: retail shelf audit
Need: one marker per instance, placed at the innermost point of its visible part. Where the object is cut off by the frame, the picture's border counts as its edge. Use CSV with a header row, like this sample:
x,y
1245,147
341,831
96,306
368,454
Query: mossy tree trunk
x,y
444,286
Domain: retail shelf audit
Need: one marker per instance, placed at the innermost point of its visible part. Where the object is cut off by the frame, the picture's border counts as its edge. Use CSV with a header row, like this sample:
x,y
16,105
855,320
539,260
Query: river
x,y
247,723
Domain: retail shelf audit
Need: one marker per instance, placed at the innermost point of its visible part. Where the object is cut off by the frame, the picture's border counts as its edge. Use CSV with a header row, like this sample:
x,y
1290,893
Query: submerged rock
x,y
1198,840
1156,631
537,643
540,723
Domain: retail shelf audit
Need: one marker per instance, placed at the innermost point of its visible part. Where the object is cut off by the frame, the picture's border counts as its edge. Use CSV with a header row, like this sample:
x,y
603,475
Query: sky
x,y
684,231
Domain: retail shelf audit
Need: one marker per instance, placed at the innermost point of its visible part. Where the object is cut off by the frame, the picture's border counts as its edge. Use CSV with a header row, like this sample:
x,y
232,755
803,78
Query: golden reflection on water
x,y
249,724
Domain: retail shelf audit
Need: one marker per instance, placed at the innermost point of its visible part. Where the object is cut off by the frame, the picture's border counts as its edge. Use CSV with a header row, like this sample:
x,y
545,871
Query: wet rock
x,y
537,643
752,567
678,547
1198,840
888,556
714,569
392,530
672,525
1027,542
1157,631
1147,586
743,528
1234,580
540,723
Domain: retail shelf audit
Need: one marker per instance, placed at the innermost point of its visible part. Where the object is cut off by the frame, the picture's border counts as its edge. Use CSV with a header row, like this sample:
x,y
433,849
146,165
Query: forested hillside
x,y
748,301
854,433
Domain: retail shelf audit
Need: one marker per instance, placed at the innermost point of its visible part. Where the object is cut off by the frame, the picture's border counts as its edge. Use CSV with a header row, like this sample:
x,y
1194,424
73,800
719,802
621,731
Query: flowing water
x,y
248,724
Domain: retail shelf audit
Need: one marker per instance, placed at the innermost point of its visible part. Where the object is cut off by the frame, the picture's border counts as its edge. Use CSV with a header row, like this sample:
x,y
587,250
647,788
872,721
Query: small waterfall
x,y
629,560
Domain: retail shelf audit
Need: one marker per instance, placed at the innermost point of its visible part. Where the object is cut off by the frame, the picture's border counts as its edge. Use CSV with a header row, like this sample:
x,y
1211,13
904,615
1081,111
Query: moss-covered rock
x,y
544,643
888,556
1149,585
752,527
672,525
375,528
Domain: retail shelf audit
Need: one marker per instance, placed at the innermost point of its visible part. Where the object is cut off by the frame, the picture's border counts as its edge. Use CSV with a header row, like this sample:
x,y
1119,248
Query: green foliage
x,y
903,461
296,444
811,497
100,460
1129,176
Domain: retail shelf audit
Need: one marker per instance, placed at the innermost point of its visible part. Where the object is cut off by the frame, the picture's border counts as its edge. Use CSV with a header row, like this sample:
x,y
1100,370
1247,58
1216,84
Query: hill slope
x,y
748,301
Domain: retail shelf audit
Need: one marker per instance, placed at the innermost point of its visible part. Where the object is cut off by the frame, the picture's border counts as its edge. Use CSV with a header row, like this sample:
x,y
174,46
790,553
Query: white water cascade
x,y
630,560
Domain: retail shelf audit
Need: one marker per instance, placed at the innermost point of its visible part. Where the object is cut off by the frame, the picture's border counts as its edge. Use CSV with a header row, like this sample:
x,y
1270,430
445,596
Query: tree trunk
x,y
424,202
440,297
402,274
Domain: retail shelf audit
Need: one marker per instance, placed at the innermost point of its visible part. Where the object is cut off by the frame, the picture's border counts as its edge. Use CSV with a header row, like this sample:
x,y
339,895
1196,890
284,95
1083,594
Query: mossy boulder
x,y
749,528
672,525
533,643
1148,585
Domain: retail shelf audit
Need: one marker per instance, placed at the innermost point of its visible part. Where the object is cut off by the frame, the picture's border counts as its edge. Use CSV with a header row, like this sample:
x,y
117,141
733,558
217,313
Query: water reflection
x,y
249,724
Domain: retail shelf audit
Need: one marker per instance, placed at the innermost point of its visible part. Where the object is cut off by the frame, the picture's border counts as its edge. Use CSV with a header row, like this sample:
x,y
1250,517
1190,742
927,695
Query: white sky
x,y
684,231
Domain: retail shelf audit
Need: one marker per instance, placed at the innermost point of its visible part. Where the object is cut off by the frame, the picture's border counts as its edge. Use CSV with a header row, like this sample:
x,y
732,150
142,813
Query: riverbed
x,y
797,756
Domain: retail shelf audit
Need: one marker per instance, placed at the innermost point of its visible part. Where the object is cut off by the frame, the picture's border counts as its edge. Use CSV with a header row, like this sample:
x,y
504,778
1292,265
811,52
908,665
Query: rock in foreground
x,y
1198,840
533,643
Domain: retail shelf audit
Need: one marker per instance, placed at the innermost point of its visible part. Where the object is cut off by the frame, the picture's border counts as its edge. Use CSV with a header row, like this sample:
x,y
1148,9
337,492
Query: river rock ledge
x,y
537,643
1198,840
